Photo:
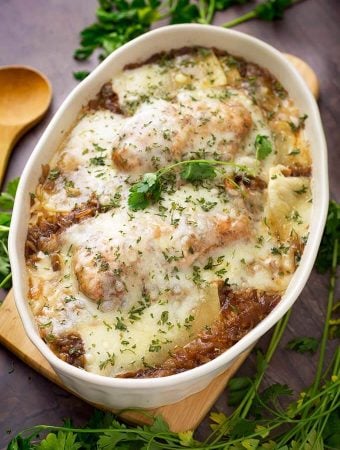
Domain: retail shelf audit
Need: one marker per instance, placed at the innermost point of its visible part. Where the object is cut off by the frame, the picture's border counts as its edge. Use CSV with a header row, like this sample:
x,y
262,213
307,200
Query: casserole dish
x,y
150,393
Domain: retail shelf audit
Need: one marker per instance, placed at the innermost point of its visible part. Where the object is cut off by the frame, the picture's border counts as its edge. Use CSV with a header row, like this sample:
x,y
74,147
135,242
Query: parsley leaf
x,y
144,192
183,11
159,425
237,389
272,9
7,197
198,171
110,439
12,187
61,441
81,75
263,147
303,344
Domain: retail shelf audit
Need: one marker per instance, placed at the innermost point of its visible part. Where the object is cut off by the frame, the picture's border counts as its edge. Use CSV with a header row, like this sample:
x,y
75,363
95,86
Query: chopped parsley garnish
x,y
302,190
98,148
188,321
294,216
97,161
120,325
300,124
205,204
164,317
211,264
69,298
221,272
155,346
136,311
281,250
196,276
53,174
295,151
263,147
110,360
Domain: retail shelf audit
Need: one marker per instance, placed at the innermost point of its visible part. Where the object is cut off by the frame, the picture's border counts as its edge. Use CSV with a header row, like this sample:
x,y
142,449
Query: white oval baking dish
x,y
149,393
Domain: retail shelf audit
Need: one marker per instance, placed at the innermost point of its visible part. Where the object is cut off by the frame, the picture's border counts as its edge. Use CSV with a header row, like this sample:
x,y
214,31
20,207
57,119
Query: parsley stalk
x,y
274,342
268,10
330,305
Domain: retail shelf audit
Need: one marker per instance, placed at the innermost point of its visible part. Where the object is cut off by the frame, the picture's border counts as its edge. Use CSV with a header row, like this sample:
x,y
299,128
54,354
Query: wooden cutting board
x,y
181,416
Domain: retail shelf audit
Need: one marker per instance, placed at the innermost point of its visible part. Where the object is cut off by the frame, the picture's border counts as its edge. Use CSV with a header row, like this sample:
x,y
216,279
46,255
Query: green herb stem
x,y
211,11
202,11
213,162
238,20
5,280
274,342
330,305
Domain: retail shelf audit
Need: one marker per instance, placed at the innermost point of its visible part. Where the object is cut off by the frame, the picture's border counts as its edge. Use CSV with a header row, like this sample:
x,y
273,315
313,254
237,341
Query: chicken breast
x,y
161,132
108,277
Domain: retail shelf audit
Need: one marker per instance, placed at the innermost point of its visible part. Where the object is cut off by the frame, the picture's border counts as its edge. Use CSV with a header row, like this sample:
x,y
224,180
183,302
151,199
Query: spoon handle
x,y
8,136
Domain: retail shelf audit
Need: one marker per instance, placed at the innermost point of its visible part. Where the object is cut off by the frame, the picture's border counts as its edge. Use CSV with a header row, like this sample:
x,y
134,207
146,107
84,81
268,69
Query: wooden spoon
x,y
25,95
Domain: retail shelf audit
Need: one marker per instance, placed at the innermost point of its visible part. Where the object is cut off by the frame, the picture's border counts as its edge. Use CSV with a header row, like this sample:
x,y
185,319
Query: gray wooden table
x,y
43,34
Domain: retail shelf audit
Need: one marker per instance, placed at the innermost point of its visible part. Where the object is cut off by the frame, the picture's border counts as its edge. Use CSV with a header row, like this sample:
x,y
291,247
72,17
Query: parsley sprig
x,y
149,189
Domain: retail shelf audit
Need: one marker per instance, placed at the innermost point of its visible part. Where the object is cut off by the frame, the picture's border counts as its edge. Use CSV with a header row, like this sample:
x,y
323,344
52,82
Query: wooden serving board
x,y
181,416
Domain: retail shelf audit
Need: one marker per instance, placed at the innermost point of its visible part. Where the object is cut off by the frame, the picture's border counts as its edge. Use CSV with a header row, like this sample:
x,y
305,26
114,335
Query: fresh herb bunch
x,y
149,189
258,422
6,206
119,21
